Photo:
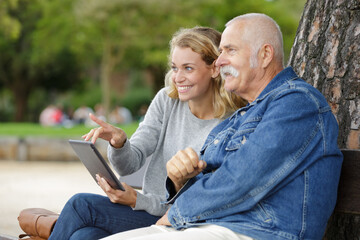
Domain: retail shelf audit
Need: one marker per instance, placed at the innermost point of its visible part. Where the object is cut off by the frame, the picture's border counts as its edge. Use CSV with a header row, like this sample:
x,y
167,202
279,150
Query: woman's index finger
x,y
98,120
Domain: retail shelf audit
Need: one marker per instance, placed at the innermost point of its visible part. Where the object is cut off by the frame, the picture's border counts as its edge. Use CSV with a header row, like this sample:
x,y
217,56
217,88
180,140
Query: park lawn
x,y
34,129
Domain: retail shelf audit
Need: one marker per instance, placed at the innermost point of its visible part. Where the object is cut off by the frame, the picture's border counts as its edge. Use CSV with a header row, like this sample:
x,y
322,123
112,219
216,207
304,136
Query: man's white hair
x,y
261,29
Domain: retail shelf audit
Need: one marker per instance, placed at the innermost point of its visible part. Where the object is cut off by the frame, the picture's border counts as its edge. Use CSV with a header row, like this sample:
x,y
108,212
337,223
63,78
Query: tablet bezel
x,y
94,162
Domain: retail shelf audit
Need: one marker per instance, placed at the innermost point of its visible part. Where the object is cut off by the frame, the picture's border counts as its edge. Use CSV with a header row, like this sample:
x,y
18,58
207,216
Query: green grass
x,y
33,129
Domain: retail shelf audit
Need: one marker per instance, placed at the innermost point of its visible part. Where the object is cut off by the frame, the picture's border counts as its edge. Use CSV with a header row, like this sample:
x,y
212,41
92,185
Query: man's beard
x,y
228,70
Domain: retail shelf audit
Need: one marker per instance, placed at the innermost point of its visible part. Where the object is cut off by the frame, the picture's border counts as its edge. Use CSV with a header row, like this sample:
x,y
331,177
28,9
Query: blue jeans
x,y
92,216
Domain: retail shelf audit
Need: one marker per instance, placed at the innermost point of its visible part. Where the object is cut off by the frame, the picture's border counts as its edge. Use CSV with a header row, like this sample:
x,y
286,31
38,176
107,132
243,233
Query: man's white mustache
x,y
228,70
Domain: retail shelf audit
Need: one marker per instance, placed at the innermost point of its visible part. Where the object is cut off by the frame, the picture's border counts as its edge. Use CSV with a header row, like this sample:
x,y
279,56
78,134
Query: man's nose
x,y
221,60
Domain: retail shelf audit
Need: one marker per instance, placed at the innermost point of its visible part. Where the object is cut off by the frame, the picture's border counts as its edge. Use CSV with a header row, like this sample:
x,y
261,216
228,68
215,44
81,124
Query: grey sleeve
x,y
151,203
119,159
132,156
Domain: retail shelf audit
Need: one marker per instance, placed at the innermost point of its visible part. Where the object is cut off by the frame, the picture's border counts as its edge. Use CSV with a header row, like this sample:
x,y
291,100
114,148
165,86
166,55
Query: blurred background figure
x,y
120,115
142,111
100,112
51,116
81,115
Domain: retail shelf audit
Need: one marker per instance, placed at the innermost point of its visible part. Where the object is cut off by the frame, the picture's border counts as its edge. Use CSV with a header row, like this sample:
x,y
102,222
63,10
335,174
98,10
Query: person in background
x,y
182,114
81,114
51,116
271,170
142,111
120,115
100,111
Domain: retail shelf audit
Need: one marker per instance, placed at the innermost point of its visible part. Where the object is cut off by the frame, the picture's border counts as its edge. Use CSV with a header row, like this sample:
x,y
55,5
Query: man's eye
x,y
232,50
188,68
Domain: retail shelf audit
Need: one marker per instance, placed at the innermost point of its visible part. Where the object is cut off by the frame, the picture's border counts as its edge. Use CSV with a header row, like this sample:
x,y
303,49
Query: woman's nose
x,y
179,76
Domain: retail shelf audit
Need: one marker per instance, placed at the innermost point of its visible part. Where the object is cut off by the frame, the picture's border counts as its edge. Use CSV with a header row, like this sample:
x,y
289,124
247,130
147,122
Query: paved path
x,y
38,184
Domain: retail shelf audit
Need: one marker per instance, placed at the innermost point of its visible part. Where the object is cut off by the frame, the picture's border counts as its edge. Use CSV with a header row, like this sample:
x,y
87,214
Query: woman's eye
x,y
174,69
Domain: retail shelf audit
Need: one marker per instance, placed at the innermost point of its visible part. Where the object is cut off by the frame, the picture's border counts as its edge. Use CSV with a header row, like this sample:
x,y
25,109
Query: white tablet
x,y
95,163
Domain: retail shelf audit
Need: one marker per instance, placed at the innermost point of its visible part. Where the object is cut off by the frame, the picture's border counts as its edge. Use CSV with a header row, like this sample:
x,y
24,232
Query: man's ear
x,y
266,55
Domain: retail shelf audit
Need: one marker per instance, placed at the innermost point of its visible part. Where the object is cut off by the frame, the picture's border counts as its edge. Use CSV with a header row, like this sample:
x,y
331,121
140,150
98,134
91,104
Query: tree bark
x,y
326,53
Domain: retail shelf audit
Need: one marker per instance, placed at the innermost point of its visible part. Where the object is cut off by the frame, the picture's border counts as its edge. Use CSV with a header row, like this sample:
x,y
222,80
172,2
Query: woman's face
x,y
191,75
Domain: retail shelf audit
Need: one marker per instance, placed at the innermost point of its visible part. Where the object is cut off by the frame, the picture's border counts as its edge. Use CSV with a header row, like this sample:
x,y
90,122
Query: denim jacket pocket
x,y
222,136
261,214
203,148
238,140
241,136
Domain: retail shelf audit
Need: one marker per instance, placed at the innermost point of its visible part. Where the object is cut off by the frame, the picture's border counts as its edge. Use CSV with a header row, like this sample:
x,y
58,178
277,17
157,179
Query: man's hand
x,y
183,166
164,220
115,136
127,197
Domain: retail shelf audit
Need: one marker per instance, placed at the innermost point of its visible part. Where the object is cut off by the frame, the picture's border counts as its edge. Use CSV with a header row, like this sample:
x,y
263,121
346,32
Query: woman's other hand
x,y
127,197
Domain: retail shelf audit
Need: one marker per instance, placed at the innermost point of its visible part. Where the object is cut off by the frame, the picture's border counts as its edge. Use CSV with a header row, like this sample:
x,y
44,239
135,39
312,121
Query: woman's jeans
x,y
91,216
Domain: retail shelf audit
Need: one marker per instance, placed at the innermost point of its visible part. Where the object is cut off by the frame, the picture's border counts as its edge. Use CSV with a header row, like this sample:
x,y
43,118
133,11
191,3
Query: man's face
x,y
234,61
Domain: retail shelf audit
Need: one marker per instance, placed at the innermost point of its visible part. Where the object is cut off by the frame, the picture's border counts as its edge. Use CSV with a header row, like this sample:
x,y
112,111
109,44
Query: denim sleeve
x,y
171,194
272,156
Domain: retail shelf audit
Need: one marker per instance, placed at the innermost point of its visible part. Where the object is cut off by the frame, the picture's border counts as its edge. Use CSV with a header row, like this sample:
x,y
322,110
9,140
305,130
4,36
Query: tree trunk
x,y
158,74
326,53
107,66
21,96
110,58
105,80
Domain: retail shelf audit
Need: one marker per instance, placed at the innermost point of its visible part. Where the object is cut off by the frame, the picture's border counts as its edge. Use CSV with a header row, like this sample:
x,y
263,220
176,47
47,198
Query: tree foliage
x,y
10,26
47,43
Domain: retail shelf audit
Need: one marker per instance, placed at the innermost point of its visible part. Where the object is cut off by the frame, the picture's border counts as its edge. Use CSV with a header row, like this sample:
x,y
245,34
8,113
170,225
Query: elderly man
x,y
271,170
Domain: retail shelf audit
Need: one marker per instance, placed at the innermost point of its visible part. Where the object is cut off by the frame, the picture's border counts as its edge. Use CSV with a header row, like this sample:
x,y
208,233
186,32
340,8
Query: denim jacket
x,y
273,167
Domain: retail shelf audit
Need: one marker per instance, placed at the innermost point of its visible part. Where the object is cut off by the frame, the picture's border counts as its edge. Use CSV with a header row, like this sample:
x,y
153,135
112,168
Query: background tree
x,y
326,53
20,70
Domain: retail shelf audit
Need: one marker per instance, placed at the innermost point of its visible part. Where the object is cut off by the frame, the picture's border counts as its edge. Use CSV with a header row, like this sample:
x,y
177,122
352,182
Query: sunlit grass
x,y
33,129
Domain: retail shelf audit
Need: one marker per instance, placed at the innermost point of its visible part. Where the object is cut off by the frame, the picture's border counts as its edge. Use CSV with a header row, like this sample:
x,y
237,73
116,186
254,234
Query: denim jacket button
x,y
242,113
216,141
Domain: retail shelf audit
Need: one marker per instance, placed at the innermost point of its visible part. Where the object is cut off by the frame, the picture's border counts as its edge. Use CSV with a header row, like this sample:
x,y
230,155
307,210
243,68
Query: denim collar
x,y
285,75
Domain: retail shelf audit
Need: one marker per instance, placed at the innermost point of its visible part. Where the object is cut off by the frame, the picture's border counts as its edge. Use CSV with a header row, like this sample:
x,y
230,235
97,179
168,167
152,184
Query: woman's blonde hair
x,y
204,41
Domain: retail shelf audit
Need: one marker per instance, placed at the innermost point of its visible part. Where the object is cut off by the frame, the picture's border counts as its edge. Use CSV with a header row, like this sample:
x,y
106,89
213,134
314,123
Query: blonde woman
x,y
181,115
